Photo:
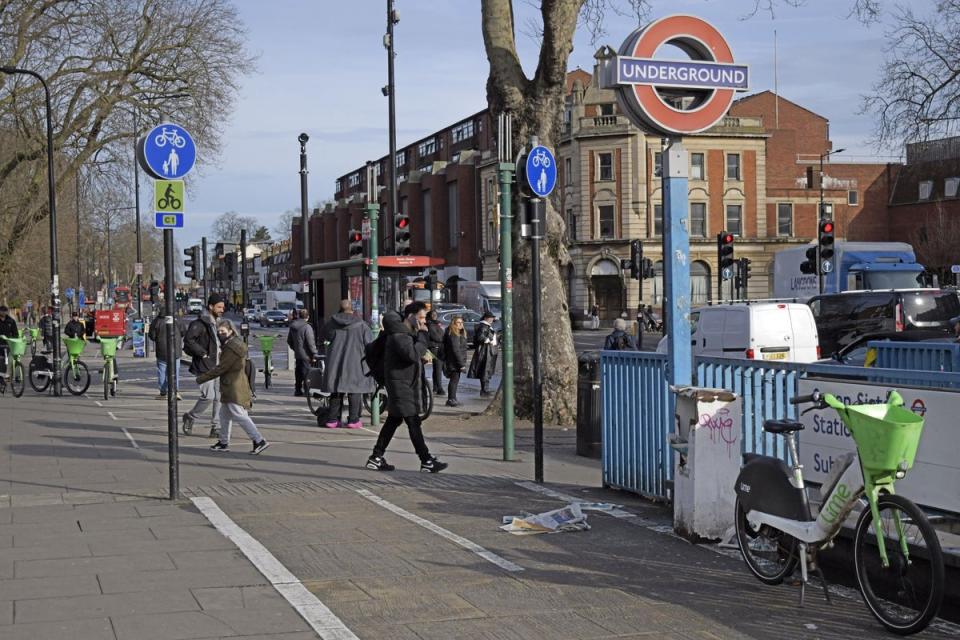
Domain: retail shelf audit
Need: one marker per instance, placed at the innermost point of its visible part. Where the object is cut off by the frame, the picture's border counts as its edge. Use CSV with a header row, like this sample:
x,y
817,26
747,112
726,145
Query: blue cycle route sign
x,y
541,171
167,152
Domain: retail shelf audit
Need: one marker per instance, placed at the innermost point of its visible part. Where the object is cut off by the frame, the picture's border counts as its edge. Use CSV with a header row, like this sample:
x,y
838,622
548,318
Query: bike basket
x,y
266,342
108,347
887,436
34,333
17,346
74,346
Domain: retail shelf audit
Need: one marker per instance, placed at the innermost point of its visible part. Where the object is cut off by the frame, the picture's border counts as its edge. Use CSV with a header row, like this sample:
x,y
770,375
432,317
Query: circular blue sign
x,y
541,171
168,151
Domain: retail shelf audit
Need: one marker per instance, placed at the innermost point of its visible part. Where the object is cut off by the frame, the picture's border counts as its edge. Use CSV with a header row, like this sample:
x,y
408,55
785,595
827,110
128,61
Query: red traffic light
x,y
826,226
356,236
403,222
726,238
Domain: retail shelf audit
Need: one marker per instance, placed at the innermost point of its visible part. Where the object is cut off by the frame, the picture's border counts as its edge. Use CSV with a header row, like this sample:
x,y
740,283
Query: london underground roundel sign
x,y
676,97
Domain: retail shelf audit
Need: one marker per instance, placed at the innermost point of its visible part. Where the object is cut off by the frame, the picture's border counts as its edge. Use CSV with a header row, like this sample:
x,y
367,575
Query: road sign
x,y
81,297
727,273
167,152
955,268
365,228
169,220
826,266
29,304
138,269
168,196
541,171
69,293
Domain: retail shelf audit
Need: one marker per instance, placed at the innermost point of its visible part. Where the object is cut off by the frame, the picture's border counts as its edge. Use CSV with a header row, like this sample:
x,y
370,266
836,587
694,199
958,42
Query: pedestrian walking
x,y
403,364
618,340
455,357
203,347
435,339
158,331
236,396
301,339
8,329
485,352
46,329
74,328
595,317
346,370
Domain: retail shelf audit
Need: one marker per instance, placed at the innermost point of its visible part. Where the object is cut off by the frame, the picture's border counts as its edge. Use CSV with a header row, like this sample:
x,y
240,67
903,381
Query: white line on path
x,y
489,556
130,438
317,614
110,413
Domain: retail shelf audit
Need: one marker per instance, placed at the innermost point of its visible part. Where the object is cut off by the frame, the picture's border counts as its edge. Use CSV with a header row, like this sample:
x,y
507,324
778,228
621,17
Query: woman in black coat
x,y
485,351
403,362
455,352
435,336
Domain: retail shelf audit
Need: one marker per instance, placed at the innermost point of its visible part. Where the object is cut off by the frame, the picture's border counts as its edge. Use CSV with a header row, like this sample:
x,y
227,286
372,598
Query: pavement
x,y
303,542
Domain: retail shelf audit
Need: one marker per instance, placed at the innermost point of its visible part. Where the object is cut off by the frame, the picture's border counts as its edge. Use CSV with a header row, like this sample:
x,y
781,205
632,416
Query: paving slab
x,y
134,581
142,562
171,626
99,629
57,586
104,606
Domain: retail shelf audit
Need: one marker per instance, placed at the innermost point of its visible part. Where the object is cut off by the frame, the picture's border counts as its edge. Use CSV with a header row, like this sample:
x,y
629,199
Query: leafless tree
x,y
935,240
227,227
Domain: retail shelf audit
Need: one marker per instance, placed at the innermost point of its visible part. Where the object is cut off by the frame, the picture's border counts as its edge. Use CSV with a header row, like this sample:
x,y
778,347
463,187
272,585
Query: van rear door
x,y
771,332
806,343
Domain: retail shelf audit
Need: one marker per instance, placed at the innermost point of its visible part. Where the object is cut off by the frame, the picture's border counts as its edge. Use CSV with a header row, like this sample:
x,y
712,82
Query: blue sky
x,y
321,66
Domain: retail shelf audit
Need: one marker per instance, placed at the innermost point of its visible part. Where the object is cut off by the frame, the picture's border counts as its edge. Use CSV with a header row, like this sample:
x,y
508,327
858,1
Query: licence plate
x,y
779,355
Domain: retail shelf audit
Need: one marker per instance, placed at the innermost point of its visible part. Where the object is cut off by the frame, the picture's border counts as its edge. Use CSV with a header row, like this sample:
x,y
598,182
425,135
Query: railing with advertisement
x,y
638,417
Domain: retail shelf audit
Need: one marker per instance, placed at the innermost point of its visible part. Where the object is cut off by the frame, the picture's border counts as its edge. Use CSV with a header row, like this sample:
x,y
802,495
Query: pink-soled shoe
x,y
355,425
333,424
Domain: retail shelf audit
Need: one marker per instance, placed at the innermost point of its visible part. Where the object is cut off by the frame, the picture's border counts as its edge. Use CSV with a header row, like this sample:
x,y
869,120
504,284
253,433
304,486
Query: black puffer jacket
x,y
404,367
201,344
454,352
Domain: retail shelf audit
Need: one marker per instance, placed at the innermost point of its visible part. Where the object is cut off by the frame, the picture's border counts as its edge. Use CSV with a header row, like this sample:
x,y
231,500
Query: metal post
x,y
373,214
304,216
172,444
676,263
505,176
203,267
391,115
136,211
819,218
79,279
535,217
109,262
243,270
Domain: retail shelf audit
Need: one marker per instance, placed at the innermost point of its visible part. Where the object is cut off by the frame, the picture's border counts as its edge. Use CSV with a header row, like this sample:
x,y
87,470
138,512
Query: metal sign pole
x,y
203,269
373,214
676,260
505,174
172,444
536,207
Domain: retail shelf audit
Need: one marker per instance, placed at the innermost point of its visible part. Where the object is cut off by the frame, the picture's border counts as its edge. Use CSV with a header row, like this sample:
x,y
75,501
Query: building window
x,y
657,164
339,185
950,187
568,171
427,147
926,188
453,212
697,168
571,225
455,158
853,197
733,166
401,158
698,219
735,219
606,109
463,131
784,219
607,221
427,168
658,220
354,179
606,166
428,221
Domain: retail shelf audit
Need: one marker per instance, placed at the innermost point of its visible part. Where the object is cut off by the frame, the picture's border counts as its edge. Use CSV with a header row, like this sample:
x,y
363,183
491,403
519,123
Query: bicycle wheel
x,y
107,379
906,595
76,377
17,382
39,376
770,554
427,402
114,386
367,397
318,404
267,378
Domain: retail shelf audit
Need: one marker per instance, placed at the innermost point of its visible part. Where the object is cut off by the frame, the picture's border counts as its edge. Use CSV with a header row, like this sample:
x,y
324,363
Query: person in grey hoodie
x,y
346,371
203,346
300,338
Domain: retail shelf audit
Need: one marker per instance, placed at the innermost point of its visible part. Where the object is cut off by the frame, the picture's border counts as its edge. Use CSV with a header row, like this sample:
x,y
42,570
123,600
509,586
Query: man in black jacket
x,y
435,337
203,347
300,338
74,328
485,351
8,328
158,333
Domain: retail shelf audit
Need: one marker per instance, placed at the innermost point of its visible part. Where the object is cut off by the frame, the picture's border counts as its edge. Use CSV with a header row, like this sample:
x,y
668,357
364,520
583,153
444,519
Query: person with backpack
x,y
347,371
485,352
618,340
203,346
402,369
300,338
455,357
435,340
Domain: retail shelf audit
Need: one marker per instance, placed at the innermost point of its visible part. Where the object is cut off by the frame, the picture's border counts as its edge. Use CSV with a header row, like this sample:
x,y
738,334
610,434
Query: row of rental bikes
x,y
39,371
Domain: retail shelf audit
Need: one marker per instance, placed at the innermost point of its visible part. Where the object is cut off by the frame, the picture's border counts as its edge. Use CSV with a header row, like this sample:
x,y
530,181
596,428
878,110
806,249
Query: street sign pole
x,y
676,264
203,268
536,210
173,451
373,216
505,175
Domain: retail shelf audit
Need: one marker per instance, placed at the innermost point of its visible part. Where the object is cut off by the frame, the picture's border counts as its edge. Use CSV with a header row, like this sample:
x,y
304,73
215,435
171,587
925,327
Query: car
x,y
274,318
844,317
250,315
447,306
195,306
855,353
470,321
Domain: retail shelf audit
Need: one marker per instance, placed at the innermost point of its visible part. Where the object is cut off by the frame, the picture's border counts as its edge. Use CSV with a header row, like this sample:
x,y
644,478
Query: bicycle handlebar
x,y
816,396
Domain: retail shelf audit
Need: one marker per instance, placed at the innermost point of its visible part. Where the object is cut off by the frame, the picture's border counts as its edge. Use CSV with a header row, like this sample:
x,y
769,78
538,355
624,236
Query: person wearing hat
x,y
203,347
8,329
485,353
75,328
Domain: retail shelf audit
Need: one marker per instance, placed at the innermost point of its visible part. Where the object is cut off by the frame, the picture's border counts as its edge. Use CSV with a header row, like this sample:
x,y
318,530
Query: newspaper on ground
x,y
569,518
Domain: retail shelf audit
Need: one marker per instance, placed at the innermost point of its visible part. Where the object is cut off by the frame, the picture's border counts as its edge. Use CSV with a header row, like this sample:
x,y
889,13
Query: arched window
x,y
699,283
657,293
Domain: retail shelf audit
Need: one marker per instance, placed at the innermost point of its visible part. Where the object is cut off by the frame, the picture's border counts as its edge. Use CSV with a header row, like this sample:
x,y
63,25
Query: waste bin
x,y
589,439
707,443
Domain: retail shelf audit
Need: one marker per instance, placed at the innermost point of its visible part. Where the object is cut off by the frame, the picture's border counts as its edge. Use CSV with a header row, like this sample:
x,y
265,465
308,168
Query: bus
x,y
121,297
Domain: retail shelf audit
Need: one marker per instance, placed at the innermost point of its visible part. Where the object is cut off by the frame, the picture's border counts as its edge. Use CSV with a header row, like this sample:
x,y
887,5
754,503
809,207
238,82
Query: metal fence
x,y
923,356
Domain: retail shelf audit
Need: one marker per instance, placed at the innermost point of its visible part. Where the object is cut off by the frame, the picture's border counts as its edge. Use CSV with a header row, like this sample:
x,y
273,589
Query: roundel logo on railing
x,y
676,96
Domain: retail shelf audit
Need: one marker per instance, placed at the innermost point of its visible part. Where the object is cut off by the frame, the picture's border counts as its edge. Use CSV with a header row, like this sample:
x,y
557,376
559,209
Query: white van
x,y
783,332
195,305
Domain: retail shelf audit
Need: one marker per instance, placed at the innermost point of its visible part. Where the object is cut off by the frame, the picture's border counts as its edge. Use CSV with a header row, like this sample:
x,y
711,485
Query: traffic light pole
x,y
536,219
203,269
505,176
373,215
173,457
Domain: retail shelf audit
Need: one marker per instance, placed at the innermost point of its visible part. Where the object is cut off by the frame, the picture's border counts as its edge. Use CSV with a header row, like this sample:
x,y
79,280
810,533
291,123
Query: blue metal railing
x,y
923,356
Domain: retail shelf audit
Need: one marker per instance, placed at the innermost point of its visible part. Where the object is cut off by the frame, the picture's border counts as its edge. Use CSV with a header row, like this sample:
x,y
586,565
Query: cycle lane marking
x,y
130,438
320,618
487,555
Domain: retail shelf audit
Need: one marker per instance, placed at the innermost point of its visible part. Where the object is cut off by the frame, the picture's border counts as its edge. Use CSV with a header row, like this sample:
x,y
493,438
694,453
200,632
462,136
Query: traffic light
x,y
743,276
725,254
430,282
356,243
154,291
402,235
825,242
646,270
636,259
192,263
809,266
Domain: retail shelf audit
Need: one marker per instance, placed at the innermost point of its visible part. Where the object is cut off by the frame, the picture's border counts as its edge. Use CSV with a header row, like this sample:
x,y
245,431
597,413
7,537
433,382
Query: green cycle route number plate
x,y
168,203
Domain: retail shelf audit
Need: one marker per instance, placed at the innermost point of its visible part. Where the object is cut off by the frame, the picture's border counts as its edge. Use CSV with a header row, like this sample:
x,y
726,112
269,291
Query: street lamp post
x,y
304,219
52,196
390,91
820,218
822,156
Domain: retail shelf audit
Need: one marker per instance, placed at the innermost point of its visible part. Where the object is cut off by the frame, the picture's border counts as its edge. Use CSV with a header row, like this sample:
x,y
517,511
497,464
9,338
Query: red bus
x,y
121,297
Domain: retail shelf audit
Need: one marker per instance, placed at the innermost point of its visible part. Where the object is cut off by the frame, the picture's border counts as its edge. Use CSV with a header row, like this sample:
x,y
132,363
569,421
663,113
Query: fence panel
x,y
923,356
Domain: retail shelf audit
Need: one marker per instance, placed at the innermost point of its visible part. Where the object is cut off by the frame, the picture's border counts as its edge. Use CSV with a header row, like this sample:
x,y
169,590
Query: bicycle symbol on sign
x,y
169,199
171,136
541,159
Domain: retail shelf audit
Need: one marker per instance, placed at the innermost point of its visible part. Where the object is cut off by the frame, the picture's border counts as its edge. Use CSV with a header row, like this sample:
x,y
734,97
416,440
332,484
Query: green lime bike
x,y
111,381
76,375
266,346
896,552
16,348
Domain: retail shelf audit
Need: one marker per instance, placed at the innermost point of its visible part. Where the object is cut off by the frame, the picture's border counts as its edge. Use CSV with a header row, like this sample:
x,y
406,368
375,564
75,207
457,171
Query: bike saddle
x,y
782,426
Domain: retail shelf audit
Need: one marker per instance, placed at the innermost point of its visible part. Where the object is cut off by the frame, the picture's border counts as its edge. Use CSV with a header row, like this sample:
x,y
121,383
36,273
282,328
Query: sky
x,y
321,65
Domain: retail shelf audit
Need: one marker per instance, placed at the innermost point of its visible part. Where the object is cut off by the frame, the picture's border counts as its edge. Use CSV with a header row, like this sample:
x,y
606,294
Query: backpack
x,y
374,354
621,342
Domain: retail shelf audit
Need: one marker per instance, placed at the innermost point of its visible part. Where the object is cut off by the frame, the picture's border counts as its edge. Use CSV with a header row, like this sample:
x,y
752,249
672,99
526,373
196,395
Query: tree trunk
x,y
537,106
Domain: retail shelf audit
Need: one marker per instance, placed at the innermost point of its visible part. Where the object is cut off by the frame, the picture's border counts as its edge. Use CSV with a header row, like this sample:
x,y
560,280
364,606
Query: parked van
x,y
195,305
784,332
843,317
